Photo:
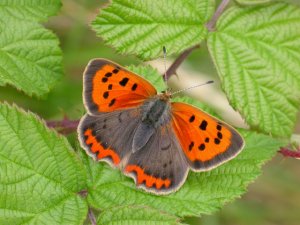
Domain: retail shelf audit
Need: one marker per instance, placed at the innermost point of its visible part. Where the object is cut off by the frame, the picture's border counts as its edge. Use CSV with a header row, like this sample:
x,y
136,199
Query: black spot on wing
x,y
219,134
124,81
112,102
105,94
201,147
192,118
217,141
108,74
133,88
115,71
191,146
203,125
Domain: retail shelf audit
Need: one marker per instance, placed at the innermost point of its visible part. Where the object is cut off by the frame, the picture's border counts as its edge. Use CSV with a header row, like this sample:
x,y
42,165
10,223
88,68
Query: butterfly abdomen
x,y
155,113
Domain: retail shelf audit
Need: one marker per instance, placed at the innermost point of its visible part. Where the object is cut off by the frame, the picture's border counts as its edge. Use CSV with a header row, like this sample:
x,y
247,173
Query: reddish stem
x,y
92,217
172,69
290,153
64,126
212,23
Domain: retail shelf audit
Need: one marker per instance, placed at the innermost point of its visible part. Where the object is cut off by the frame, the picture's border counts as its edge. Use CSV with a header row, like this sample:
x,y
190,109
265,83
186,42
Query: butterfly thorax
x,y
156,112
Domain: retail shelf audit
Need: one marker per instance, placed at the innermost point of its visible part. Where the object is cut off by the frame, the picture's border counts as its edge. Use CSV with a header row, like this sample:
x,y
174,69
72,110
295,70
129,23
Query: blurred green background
x,y
274,198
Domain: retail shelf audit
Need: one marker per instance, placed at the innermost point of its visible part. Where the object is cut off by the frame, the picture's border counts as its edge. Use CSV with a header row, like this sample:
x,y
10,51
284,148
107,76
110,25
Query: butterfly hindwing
x,y
108,136
206,141
160,166
109,87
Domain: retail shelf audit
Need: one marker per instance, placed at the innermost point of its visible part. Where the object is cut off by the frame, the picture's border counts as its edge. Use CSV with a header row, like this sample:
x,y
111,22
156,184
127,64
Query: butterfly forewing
x,y
206,141
109,87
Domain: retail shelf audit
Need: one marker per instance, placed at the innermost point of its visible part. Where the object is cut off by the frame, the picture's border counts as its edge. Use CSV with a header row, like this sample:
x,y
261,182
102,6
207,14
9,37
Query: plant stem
x,y
64,126
92,217
212,23
172,69
290,153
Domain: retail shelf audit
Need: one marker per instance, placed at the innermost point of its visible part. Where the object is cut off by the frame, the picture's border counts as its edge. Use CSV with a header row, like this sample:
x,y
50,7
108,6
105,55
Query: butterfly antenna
x,y
165,74
189,88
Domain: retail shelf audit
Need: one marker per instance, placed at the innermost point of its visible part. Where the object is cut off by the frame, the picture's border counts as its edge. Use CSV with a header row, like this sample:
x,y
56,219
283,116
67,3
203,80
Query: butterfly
x,y
150,138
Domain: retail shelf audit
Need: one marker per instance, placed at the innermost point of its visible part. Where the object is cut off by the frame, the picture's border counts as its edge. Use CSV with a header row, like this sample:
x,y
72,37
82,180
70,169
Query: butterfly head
x,y
165,95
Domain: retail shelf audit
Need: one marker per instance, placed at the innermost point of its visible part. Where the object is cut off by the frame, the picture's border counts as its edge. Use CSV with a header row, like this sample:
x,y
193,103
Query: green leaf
x,y
39,174
30,10
151,75
135,215
252,2
31,59
257,52
143,27
202,193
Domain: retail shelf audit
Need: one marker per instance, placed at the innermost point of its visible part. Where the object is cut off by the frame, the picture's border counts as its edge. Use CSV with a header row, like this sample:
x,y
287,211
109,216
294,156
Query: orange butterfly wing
x,y
108,87
206,141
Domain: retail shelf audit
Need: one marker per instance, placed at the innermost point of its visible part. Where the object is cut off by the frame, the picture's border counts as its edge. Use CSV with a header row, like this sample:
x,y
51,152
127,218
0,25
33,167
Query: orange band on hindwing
x,y
148,180
97,147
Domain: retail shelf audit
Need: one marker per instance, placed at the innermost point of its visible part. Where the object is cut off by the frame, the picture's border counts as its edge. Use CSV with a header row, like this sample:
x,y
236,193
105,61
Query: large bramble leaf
x,y
31,59
128,215
143,27
39,175
202,193
256,51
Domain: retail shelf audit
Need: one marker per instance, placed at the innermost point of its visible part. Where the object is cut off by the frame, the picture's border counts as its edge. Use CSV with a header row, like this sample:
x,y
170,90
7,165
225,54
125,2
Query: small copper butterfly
x,y
151,139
